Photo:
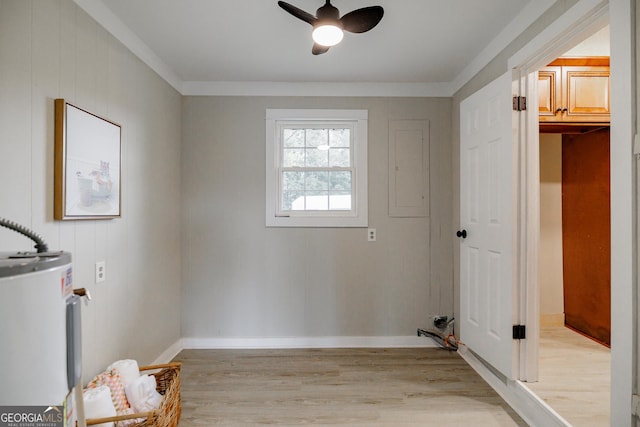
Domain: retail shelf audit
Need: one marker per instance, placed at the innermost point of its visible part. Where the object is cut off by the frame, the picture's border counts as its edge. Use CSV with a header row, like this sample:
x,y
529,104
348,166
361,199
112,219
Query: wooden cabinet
x,y
574,91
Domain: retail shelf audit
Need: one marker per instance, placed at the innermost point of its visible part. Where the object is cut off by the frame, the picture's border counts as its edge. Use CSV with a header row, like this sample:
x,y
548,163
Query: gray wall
x,y
52,49
241,279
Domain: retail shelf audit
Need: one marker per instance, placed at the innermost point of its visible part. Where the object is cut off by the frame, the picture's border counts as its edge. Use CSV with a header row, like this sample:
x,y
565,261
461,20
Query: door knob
x,y
462,233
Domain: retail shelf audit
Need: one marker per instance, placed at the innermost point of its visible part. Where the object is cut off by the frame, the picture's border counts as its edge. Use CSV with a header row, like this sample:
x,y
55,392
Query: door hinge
x,y
519,332
635,405
636,145
519,103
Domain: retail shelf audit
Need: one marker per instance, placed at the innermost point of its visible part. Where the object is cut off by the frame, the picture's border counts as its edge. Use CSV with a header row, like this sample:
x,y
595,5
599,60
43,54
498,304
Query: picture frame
x,y
87,164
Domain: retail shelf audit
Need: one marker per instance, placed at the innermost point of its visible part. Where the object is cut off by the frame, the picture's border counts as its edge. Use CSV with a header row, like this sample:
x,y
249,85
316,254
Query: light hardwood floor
x,y
338,387
574,376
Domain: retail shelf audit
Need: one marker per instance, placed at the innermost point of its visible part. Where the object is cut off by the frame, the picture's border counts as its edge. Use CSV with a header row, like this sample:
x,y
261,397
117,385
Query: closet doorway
x,y
575,232
574,262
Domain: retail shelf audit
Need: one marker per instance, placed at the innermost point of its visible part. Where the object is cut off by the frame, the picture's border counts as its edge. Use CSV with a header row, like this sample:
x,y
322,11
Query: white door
x,y
487,216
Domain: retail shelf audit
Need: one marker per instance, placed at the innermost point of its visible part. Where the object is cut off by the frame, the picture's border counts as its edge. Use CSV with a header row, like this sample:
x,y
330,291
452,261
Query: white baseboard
x,y
292,342
171,352
307,342
533,410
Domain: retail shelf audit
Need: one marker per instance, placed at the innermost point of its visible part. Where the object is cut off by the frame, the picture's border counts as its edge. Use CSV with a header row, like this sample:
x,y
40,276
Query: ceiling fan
x,y
328,26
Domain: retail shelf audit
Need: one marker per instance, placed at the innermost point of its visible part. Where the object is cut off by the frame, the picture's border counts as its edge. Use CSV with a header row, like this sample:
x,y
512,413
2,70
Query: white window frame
x,y
358,215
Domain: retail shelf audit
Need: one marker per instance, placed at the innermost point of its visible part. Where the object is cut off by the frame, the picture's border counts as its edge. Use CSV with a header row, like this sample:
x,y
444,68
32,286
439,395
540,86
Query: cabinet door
x,y
549,94
586,94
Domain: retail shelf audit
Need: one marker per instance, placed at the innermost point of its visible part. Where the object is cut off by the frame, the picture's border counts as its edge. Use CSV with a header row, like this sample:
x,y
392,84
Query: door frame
x,y
576,25
581,20
558,37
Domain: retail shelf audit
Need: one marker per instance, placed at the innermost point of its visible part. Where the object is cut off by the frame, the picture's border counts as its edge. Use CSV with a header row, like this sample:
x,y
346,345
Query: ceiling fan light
x,y
327,35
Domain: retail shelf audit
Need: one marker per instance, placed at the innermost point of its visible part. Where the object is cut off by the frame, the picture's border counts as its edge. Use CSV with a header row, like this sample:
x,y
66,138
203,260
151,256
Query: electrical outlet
x,y
101,271
371,234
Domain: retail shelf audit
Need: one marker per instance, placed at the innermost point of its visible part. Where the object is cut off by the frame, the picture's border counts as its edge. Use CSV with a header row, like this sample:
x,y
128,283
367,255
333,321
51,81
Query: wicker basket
x,y
168,414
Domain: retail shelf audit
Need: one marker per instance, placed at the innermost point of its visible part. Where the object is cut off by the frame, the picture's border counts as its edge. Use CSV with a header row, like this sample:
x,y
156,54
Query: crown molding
x,y
316,89
103,16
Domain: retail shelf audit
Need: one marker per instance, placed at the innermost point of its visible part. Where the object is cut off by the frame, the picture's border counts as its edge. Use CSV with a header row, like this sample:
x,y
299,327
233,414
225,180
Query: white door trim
x,y
624,237
585,17
526,84
574,26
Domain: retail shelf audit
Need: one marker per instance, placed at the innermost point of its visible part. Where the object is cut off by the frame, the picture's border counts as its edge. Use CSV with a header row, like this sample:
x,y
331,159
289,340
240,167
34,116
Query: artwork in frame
x,y
87,157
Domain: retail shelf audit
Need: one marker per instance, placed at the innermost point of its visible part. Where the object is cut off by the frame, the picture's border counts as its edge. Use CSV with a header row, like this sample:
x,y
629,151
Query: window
x,y
316,168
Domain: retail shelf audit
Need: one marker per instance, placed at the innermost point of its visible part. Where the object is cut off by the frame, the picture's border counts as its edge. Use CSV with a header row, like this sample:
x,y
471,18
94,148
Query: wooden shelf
x,y
572,128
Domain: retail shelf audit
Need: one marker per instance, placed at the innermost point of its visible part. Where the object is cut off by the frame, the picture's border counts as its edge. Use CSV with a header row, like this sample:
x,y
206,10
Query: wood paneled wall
x,y
53,49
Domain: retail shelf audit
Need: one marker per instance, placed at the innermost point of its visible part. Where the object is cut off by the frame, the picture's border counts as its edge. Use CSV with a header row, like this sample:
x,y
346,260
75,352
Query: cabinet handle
x,y
565,109
558,110
462,233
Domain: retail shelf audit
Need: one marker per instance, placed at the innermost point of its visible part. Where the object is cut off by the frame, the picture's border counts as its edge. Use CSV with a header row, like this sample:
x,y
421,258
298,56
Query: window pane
x,y
316,137
293,137
339,157
293,157
340,201
317,201
316,181
317,158
340,181
316,191
293,200
292,180
339,137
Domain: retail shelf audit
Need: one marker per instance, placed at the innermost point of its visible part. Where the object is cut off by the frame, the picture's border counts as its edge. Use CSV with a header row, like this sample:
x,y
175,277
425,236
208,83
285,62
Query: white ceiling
x,y
421,47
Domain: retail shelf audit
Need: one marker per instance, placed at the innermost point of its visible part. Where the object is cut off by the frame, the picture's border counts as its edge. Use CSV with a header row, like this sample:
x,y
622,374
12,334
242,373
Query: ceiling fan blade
x,y
362,20
298,13
319,49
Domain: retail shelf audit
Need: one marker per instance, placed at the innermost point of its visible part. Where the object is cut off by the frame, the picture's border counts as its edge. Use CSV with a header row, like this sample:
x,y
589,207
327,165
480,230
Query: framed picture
x,y
87,160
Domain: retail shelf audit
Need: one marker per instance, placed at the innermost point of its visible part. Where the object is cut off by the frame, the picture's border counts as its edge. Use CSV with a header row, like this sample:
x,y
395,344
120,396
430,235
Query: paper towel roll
x,y
98,404
128,370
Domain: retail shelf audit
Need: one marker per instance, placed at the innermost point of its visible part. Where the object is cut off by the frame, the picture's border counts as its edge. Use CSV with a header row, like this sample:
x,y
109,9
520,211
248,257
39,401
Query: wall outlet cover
x,y
101,271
